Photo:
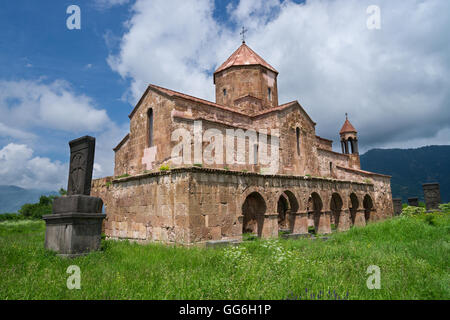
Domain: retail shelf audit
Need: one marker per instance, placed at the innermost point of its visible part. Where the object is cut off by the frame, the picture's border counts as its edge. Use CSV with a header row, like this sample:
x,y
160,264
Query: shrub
x,y
37,210
410,211
164,167
123,176
198,165
10,217
445,207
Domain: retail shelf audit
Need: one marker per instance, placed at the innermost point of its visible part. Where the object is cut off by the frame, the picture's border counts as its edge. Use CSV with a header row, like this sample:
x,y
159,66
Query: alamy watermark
x,y
249,147
374,20
374,280
74,20
74,280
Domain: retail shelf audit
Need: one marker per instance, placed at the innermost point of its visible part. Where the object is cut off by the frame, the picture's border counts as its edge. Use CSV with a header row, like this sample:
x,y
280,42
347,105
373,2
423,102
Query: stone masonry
x,y
432,195
313,186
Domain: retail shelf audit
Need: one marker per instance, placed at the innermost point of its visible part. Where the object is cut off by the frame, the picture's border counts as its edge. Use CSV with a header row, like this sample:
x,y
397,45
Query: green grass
x,y
412,253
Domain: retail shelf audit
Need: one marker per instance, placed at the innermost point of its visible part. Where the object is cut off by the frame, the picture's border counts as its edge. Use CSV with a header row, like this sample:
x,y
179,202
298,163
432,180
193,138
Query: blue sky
x,y
58,84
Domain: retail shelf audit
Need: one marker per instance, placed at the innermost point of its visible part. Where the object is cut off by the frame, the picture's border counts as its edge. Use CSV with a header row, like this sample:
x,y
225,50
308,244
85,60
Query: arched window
x,y
297,132
224,92
150,127
269,93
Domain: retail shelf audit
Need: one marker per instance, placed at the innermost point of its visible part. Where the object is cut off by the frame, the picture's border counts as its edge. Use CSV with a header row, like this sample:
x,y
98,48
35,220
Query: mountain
x,y
12,198
410,168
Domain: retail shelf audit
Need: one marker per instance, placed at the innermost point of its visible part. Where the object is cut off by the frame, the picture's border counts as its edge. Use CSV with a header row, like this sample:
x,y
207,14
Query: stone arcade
x,y
313,187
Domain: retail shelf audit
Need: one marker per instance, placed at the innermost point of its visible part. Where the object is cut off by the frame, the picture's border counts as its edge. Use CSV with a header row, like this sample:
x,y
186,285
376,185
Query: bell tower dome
x,y
246,82
349,138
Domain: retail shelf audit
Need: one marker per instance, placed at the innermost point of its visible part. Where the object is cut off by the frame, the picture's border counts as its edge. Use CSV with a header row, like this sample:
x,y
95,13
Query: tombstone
x,y
74,228
397,206
413,202
432,195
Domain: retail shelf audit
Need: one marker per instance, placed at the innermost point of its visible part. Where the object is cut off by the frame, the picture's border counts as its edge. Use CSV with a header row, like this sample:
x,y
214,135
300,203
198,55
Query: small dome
x,y
347,127
244,56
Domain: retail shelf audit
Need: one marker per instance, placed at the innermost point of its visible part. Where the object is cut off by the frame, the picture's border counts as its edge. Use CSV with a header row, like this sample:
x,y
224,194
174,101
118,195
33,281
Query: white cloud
x,y
104,154
44,117
169,43
105,4
393,82
18,167
7,131
33,104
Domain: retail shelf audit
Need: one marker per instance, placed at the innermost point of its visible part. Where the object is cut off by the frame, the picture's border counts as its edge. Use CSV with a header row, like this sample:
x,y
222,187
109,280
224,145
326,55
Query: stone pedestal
x,y
75,226
414,202
397,206
324,225
432,195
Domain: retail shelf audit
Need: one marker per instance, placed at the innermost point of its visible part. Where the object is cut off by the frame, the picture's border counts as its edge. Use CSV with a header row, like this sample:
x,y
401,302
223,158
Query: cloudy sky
x,y
58,84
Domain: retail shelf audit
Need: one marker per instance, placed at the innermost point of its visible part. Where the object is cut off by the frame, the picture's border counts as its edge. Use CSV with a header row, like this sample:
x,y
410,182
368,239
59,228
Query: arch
x,y
352,147
354,202
287,204
368,207
315,206
150,127
283,209
253,211
336,204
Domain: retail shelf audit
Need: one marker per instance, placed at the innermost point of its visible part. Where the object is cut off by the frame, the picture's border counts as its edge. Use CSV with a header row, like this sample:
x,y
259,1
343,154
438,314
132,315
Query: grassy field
x,y
412,252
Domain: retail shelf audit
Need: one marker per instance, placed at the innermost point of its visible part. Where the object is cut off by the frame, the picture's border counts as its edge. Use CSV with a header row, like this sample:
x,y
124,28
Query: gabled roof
x,y
244,56
284,107
172,93
347,127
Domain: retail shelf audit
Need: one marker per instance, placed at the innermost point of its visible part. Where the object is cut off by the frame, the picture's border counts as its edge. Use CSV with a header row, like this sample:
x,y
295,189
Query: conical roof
x,y
244,56
347,127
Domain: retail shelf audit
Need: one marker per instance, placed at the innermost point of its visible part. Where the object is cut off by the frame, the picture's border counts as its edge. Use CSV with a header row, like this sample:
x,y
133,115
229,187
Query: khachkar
x,y
413,202
75,226
397,206
432,195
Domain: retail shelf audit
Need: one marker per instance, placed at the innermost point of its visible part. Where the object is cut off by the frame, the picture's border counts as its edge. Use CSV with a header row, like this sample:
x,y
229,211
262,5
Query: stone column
x,y
397,206
432,195
324,225
299,222
360,219
344,220
270,226
414,202
355,145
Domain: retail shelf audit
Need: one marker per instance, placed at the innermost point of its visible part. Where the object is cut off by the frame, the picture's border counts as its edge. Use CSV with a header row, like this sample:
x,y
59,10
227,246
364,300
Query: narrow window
x,y
331,167
150,127
224,92
269,93
297,131
255,154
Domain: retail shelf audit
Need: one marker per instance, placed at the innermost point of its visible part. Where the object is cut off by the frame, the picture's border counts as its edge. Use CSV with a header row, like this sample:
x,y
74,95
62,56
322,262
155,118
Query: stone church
x,y
154,196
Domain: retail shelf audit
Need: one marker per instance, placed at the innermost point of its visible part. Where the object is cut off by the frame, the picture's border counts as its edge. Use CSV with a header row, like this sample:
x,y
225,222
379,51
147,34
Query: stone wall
x,y
252,80
191,205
